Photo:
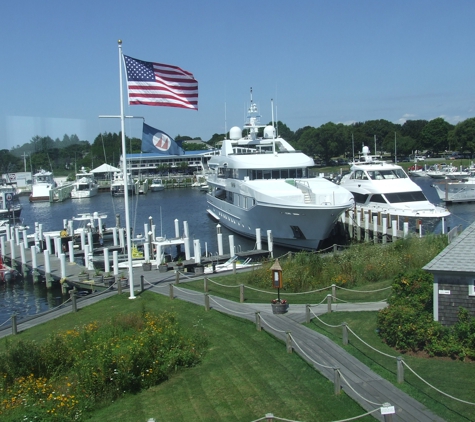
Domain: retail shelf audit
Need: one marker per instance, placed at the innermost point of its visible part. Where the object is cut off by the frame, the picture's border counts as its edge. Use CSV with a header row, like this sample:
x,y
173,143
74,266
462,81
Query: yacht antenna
x,y
395,148
353,145
272,108
225,122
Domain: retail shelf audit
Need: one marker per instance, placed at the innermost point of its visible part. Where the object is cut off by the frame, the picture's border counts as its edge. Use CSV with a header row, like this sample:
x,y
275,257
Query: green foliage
x,y
358,265
408,323
94,364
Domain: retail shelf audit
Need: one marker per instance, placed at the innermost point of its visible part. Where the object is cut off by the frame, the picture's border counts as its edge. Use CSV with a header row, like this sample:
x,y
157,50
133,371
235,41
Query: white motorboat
x,y
85,185
43,183
263,183
456,190
440,171
157,185
381,187
233,262
118,183
10,207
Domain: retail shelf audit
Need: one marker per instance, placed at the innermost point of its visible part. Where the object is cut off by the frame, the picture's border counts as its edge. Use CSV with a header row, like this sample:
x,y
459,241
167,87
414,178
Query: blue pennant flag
x,y
156,141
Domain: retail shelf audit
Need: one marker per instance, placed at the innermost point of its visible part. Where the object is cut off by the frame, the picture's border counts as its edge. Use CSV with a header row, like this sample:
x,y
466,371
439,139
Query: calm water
x,y
164,207
24,298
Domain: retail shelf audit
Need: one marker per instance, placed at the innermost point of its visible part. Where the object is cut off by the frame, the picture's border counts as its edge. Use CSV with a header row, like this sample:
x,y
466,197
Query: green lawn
x,y
452,377
244,374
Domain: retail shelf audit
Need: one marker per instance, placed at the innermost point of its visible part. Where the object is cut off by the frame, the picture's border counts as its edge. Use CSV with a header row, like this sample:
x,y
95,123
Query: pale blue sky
x,y
321,61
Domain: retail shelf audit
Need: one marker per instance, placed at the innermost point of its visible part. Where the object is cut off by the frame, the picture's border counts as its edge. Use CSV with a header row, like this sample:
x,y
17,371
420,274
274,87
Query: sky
x,y
316,61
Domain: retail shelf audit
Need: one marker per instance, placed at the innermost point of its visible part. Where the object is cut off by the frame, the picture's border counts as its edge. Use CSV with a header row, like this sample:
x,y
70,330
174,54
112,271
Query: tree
x,y
434,135
464,135
413,129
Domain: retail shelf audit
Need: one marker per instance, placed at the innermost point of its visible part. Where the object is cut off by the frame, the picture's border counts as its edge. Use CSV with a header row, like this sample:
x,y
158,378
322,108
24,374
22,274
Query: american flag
x,y
157,84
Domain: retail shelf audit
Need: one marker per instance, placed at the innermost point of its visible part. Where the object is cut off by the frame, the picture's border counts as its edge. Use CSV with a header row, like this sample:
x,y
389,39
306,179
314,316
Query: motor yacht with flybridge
x,y
382,187
261,182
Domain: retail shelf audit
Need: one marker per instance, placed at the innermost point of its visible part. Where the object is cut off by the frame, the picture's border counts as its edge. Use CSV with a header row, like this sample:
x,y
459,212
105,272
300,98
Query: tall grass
x,y
360,264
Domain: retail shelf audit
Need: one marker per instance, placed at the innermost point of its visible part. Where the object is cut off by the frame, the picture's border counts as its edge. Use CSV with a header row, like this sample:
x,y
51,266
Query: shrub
x,y
97,363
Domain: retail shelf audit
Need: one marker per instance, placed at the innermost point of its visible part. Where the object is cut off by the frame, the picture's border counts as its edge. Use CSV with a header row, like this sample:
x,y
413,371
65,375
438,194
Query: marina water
x,y
187,204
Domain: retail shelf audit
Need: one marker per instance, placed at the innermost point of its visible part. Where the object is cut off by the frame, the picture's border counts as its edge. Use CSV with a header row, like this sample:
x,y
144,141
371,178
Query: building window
x,y
471,288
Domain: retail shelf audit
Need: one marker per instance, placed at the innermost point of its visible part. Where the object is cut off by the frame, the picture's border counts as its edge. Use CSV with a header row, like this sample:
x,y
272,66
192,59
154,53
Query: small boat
x,y
456,190
7,273
441,171
157,185
43,183
229,265
118,183
10,207
85,185
417,171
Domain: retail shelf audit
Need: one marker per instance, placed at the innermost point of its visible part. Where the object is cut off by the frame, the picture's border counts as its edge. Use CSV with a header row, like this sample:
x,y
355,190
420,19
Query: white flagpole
x,y
126,180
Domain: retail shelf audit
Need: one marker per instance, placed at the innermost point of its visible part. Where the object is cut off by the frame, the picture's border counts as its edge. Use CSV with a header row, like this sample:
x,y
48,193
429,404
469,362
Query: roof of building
x,y
149,155
105,168
456,257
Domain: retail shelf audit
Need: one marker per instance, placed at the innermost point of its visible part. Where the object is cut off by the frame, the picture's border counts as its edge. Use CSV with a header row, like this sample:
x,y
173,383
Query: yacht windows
x,y
276,174
406,197
360,198
387,174
378,198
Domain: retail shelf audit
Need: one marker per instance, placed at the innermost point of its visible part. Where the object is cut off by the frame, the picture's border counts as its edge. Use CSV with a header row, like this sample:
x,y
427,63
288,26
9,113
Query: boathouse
x,y
454,278
150,163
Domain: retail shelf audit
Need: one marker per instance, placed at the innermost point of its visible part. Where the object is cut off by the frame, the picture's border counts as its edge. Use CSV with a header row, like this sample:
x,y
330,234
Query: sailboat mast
x,y
126,185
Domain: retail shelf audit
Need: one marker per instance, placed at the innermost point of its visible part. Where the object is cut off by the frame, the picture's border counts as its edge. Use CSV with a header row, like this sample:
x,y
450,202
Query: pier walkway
x,y
359,382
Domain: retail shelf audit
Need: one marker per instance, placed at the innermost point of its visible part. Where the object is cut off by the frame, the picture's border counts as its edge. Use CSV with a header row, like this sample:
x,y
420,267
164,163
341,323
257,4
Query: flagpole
x,y
125,177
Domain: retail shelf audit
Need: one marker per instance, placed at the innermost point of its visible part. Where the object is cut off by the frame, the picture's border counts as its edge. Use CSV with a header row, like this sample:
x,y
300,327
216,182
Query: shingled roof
x,y
458,256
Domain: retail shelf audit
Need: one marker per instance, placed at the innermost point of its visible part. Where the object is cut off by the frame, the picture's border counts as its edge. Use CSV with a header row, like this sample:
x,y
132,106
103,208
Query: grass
x,y
244,373
227,287
450,376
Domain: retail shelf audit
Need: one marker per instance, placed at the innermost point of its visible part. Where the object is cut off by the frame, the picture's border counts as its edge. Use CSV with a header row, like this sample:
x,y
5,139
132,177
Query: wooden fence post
x,y
207,302
14,325
241,293
258,321
289,342
307,313
336,381
400,370
329,303
345,333
171,295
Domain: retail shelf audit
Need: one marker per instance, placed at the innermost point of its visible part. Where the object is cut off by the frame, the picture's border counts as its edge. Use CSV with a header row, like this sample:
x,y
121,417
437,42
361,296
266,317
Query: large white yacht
x,y
43,183
262,183
382,187
85,185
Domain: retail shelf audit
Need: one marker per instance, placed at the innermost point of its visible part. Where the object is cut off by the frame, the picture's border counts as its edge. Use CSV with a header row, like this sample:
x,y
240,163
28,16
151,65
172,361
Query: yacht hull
x,y
296,228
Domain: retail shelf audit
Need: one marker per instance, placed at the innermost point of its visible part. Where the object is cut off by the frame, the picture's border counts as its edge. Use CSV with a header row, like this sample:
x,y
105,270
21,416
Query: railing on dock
x,y
363,225
60,193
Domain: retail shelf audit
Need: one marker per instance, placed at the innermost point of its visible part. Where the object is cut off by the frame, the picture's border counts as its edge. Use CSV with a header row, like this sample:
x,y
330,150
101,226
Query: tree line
x,y
327,141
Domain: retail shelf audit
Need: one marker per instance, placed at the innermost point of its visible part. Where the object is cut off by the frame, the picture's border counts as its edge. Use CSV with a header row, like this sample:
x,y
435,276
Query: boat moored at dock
x,y
380,187
85,185
43,183
263,183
